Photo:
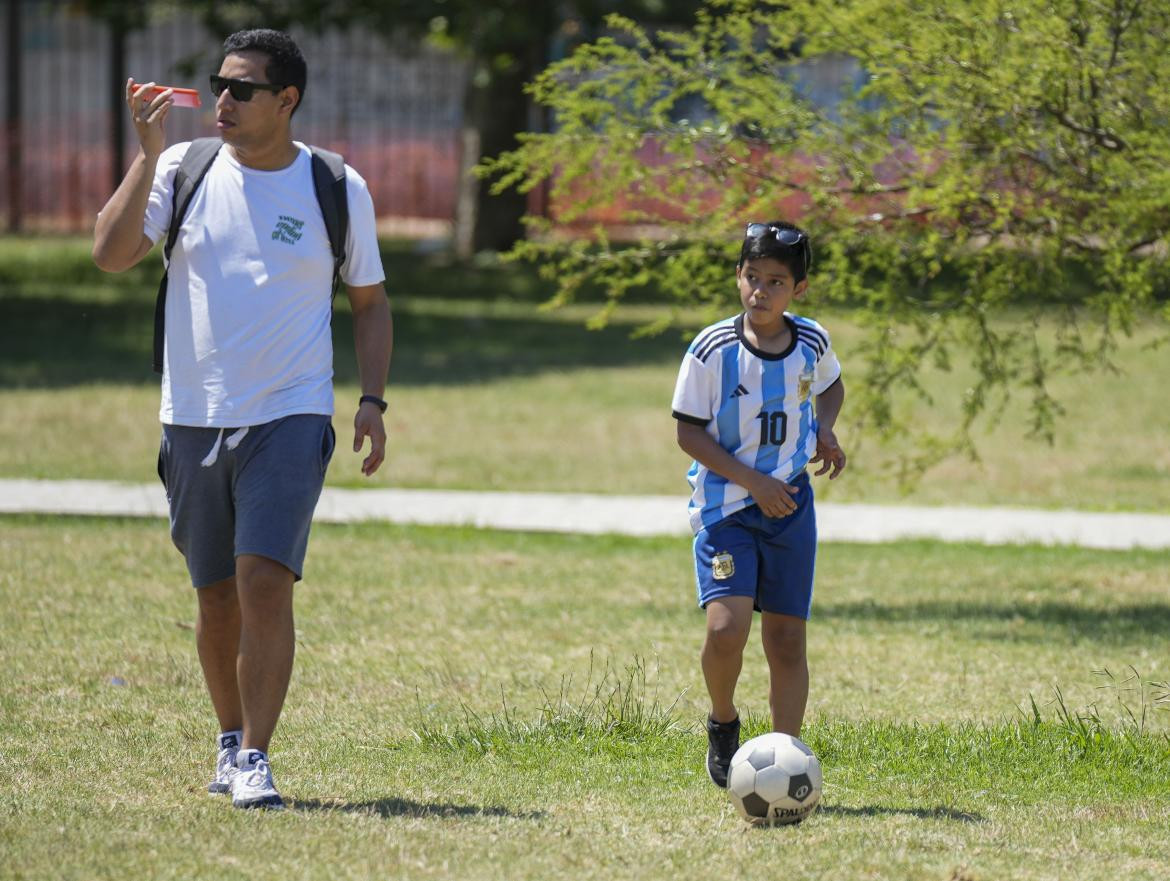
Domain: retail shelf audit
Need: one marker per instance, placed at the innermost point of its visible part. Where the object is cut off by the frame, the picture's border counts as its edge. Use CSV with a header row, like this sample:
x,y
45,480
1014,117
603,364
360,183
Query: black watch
x,y
375,400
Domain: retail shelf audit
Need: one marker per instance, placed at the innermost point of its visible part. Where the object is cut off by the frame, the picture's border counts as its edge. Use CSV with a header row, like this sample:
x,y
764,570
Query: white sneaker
x,y
252,786
225,763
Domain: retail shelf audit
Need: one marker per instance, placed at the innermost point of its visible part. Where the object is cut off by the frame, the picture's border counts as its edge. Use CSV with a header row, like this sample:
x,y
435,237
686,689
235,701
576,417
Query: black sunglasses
x,y
783,235
788,237
242,90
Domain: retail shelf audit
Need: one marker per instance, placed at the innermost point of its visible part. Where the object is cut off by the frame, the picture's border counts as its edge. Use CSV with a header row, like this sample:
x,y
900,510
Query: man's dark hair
x,y
286,65
797,256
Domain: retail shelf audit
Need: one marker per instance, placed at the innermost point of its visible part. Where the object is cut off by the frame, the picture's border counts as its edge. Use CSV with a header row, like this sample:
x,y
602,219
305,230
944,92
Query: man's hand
x,y
368,423
829,454
773,496
148,111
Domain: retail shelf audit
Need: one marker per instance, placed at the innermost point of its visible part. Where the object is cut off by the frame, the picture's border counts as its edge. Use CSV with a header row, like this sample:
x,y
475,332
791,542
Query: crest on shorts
x,y
722,565
804,384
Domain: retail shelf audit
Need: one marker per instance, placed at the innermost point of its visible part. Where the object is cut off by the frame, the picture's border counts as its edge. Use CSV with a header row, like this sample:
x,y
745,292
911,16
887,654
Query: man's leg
x,y
784,647
267,644
729,620
217,637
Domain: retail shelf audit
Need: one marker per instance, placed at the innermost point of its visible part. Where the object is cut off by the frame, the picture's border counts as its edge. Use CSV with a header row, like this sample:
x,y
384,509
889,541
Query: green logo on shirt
x,y
288,230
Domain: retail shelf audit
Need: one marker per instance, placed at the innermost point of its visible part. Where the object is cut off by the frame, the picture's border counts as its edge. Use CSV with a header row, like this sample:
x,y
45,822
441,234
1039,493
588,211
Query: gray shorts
x,y
231,495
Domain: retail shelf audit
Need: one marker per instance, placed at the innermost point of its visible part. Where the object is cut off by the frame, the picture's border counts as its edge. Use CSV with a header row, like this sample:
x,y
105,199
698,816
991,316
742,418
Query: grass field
x,y
490,392
478,705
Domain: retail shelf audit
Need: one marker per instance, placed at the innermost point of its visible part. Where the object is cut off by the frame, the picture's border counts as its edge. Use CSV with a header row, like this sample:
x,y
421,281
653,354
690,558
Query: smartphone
x,y
181,97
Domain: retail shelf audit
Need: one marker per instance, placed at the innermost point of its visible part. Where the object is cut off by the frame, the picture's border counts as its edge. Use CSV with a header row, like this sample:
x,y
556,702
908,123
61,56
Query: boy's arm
x,y
829,452
773,496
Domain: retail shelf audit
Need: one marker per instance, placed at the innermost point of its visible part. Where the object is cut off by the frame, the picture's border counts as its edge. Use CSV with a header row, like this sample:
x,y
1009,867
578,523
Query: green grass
x,y
480,705
489,391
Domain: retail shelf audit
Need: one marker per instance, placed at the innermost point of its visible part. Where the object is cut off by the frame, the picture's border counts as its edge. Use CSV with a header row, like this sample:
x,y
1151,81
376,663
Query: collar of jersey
x,y
767,356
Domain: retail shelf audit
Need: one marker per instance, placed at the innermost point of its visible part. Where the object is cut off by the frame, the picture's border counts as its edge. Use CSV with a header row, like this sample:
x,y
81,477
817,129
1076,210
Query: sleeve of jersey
x,y
828,368
693,392
363,262
160,202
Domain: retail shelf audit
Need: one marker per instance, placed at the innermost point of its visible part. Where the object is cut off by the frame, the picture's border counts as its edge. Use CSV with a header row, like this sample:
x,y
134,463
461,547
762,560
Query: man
x,y
248,352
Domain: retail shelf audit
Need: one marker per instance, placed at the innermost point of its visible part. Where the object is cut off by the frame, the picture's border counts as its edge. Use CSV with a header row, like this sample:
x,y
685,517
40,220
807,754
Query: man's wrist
x,y
375,400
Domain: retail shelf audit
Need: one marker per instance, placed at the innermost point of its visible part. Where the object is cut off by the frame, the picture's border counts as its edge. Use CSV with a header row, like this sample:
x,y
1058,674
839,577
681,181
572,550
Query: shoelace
x,y
233,441
259,775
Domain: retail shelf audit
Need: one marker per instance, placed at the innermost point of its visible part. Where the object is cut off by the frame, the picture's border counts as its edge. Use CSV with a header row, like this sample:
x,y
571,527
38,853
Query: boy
x,y
745,414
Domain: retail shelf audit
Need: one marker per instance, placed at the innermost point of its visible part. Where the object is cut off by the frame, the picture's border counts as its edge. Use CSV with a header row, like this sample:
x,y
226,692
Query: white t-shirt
x,y
756,405
249,290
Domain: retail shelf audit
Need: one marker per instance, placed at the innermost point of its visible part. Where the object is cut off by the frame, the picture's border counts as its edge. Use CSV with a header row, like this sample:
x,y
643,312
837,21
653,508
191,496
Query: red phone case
x,y
181,97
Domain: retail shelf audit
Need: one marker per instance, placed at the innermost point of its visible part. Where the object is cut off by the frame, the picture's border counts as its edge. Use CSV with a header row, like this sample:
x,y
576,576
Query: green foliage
x,y
993,154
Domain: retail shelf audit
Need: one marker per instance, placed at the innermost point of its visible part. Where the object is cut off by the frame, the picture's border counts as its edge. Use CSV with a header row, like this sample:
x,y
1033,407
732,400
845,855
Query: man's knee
x,y
265,586
218,602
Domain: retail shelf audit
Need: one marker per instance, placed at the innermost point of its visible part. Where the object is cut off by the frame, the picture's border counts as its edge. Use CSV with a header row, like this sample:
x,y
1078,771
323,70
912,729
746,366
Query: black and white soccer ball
x,y
774,779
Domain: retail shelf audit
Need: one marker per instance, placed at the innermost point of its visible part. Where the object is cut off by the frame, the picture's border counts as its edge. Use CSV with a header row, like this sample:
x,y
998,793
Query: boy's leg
x,y
729,620
784,647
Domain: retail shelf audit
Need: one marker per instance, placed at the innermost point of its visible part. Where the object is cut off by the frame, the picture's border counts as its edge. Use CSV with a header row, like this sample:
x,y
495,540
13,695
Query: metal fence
x,y
394,114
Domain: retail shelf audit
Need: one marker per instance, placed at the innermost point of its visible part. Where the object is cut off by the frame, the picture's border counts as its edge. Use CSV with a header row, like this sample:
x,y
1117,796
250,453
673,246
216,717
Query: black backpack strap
x,y
196,161
329,182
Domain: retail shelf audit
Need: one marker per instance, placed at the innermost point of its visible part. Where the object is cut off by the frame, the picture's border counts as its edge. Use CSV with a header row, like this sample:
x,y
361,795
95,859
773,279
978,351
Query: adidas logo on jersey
x,y
740,391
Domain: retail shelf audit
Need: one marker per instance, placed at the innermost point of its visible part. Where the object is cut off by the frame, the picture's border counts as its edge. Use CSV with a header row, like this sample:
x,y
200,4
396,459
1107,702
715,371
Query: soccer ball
x,y
774,779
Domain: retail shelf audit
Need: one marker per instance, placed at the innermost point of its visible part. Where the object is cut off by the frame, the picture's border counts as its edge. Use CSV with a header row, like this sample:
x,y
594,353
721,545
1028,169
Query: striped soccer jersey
x,y
758,406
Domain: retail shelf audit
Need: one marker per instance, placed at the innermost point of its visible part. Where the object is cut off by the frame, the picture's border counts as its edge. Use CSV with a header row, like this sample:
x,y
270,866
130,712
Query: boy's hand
x,y
773,496
829,453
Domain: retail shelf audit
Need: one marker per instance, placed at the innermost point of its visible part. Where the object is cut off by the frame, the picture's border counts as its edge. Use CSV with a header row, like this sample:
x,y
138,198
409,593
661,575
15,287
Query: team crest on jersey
x,y
804,384
722,565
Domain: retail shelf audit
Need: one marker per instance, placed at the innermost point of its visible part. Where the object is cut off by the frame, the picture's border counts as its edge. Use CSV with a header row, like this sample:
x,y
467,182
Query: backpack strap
x,y
192,169
329,182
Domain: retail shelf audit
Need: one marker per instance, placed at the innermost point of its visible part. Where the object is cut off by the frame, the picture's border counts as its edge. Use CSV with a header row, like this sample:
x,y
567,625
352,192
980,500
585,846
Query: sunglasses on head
x,y
783,235
788,237
241,90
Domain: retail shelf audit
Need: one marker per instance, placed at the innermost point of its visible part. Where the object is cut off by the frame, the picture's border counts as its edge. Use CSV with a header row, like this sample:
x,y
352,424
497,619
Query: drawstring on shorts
x,y
233,441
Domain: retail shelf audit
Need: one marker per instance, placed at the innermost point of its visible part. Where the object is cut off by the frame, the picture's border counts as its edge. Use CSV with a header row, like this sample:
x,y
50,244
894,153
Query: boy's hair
x,y
286,65
766,243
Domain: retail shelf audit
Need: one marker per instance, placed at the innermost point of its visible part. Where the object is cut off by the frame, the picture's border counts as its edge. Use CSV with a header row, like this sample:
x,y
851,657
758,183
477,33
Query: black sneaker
x,y
722,742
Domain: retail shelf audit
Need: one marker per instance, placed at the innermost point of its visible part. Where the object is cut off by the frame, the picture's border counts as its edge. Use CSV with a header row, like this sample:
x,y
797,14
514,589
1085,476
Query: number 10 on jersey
x,y
773,427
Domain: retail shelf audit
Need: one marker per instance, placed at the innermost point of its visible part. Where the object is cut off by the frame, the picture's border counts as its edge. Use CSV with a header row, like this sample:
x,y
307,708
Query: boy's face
x,y
766,290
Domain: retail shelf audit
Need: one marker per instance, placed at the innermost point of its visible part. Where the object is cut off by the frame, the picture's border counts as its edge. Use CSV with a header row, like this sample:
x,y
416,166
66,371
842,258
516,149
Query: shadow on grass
x,y
1019,621
404,807
939,813
59,342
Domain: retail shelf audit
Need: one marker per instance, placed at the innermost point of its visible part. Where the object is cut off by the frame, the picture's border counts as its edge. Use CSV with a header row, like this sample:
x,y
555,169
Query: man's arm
x,y
119,241
373,337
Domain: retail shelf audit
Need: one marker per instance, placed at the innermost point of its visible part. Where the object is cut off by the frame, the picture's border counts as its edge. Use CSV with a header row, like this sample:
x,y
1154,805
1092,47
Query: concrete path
x,y
623,515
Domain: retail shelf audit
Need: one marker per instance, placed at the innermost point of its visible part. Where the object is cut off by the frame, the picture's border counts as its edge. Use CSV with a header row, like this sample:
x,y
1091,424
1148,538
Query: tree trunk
x,y
13,134
117,108
495,109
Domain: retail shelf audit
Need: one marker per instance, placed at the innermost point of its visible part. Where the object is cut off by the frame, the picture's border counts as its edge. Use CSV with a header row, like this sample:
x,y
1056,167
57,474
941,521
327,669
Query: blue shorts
x,y
256,495
770,559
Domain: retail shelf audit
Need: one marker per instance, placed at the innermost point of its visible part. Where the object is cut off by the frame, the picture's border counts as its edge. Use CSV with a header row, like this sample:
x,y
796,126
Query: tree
x,y
994,154
507,43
